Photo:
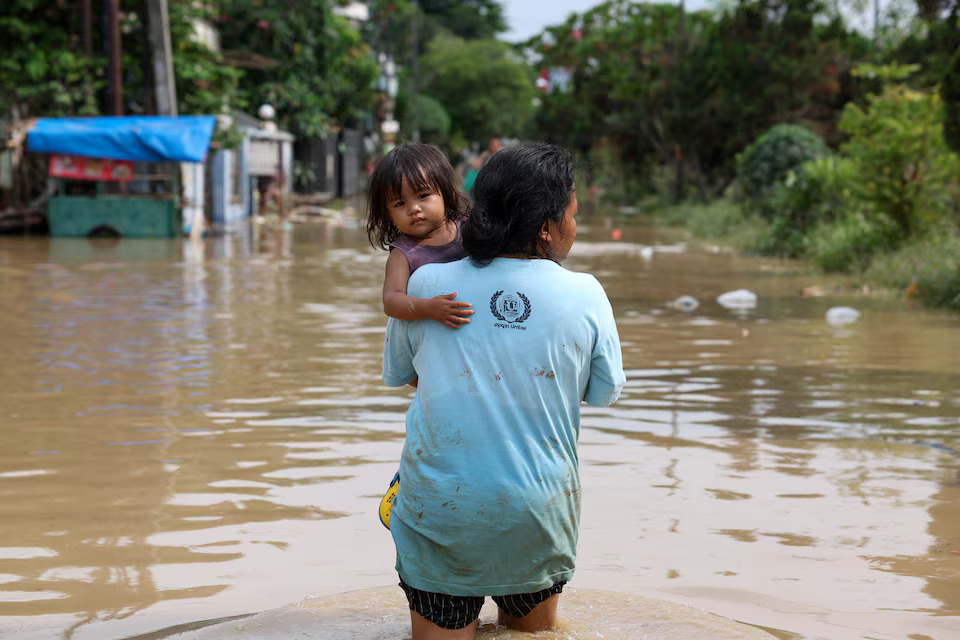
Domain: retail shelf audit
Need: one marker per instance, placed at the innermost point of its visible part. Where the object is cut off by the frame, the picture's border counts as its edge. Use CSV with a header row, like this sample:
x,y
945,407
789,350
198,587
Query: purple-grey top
x,y
421,254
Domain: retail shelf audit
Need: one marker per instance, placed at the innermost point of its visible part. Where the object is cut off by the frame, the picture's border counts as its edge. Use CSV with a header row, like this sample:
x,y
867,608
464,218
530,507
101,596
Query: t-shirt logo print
x,y
512,308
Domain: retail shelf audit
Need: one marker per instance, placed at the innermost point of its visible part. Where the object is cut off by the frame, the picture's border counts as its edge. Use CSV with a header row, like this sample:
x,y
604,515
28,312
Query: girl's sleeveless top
x,y
421,254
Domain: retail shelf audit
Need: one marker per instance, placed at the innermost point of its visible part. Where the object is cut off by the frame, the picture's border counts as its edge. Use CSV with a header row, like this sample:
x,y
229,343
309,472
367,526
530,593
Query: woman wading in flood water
x,y
489,503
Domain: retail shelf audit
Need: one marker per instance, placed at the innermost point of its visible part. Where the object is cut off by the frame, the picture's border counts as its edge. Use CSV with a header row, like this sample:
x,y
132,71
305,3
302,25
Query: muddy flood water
x,y
195,431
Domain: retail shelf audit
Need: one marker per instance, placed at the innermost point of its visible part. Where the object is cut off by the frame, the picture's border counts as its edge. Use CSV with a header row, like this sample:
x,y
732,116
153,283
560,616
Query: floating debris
x,y
842,315
685,303
739,299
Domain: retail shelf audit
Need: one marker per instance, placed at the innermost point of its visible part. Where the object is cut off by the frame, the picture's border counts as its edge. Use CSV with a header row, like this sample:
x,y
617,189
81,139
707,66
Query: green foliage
x,y
431,118
894,179
764,165
204,83
850,243
722,219
929,266
391,30
314,68
619,106
903,170
691,89
393,22
929,43
467,19
484,88
774,184
950,95
43,71
885,73
817,192
820,191
770,61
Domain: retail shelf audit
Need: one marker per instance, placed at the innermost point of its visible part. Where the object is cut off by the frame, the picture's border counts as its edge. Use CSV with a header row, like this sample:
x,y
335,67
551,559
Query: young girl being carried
x,y
415,209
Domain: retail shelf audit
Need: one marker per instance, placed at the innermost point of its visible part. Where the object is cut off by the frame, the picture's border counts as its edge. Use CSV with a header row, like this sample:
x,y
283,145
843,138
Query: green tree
x,y
950,95
692,89
929,41
486,90
618,108
307,61
43,71
467,19
431,119
771,61
47,73
768,161
205,83
394,22
903,168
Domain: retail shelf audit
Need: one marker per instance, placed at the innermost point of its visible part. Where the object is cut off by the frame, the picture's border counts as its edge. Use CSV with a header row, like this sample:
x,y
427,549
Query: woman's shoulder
x,y
583,278
580,284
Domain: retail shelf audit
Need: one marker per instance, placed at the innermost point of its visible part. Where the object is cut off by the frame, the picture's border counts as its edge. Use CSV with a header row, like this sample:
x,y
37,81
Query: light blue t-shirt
x,y
489,500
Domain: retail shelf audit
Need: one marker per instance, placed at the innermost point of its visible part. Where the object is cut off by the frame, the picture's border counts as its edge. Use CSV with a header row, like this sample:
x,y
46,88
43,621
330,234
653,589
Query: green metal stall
x,y
120,175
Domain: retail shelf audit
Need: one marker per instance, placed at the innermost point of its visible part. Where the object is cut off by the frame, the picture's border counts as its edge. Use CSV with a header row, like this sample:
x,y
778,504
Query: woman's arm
x,y
607,377
397,304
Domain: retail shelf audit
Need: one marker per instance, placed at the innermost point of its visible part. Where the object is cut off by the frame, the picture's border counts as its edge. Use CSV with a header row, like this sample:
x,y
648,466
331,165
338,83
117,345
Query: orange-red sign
x,y
83,168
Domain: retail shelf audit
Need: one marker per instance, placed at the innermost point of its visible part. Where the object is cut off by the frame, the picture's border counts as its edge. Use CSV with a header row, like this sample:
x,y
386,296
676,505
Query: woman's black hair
x,y
424,166
515,193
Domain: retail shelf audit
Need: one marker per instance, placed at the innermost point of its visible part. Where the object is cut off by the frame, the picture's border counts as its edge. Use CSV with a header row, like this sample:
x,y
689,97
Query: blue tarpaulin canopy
x,y
138,138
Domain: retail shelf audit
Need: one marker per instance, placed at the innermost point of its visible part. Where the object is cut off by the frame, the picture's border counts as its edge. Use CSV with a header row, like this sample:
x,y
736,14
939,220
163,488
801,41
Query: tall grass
x,y
722,221
927,270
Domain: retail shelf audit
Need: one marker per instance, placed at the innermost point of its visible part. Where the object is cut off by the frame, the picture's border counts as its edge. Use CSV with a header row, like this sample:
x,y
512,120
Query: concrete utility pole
x,y
116,56
876,26
86,17
161,51
415,79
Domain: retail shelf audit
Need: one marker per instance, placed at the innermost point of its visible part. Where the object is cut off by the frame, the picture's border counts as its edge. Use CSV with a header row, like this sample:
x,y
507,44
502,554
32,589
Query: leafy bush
x,y
850,243
431,119
928,270
484,87
620,182
766,163
903,170
950,94
725,221
818,192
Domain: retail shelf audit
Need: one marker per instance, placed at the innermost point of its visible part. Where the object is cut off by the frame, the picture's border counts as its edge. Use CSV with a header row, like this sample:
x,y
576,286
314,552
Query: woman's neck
x,y
541,254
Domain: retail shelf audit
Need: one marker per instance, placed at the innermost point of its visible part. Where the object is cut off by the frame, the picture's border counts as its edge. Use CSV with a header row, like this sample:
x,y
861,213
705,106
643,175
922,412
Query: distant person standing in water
x,y
495,145
490,498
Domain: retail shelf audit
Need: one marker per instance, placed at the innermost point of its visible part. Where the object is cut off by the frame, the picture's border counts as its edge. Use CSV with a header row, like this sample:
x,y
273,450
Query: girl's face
x,y
419,214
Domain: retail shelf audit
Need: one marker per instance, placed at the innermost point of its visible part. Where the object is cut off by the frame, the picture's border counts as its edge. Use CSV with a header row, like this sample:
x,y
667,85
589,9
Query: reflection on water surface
x,y
197,431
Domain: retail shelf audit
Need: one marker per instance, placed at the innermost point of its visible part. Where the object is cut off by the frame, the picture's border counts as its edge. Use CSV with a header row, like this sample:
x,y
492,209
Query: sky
x,y
526,18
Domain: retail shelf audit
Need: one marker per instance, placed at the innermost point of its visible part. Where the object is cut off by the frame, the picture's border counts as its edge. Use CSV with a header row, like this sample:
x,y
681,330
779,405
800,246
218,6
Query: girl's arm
x,y
397,304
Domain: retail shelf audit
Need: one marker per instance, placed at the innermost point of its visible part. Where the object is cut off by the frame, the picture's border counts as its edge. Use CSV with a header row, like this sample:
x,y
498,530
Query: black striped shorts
x,y
456,612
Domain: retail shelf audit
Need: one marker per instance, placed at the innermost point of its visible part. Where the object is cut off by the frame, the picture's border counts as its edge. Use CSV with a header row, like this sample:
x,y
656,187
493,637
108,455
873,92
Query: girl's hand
x,y
444,310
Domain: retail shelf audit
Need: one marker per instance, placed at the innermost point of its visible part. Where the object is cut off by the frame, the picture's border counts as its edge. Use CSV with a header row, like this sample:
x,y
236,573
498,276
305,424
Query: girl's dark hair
x,y
515,193
424,166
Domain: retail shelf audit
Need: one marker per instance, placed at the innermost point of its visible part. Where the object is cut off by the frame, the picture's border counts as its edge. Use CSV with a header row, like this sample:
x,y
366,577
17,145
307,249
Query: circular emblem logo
x,y
512,307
